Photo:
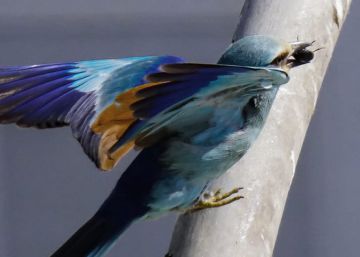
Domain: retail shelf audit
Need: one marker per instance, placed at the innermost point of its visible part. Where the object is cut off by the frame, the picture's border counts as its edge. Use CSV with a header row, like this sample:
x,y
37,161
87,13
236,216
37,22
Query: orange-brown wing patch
x,y
113,122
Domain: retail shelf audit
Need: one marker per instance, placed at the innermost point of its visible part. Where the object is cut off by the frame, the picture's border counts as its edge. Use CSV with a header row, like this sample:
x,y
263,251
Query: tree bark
x,y
249,227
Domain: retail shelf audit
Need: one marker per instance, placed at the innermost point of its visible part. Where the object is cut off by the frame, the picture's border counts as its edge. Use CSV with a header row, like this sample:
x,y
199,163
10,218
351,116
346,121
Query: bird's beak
x,y
299,45
300,54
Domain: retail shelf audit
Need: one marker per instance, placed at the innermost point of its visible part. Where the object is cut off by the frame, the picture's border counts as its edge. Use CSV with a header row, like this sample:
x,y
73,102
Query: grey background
x,y
48,187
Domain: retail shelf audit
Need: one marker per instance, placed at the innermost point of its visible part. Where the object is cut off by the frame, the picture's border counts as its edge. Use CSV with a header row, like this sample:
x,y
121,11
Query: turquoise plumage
x,y
188,123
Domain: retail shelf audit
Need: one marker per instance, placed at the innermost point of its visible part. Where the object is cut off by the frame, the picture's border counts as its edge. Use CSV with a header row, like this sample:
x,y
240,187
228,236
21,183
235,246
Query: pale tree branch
x,y
249,227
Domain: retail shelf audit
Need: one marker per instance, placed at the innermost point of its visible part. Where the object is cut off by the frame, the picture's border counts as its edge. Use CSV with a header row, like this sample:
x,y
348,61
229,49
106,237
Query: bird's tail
x,y
96,236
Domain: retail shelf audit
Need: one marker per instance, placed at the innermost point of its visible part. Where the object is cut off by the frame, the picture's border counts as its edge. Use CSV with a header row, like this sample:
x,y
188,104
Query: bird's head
x,y
264,51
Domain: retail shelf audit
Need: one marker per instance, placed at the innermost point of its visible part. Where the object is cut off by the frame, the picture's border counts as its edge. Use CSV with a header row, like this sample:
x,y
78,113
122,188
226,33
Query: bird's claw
x,y
217,199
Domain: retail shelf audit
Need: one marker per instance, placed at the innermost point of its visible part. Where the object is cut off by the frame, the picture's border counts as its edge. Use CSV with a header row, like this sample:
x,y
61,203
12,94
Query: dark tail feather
x,y
95,238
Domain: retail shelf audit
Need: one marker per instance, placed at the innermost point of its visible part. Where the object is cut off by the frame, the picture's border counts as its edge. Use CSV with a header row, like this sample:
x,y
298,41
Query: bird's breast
x,y
209,138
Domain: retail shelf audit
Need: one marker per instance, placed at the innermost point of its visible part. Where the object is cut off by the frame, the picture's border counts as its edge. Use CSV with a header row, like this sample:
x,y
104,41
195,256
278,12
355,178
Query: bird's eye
x,y
276,61
281,57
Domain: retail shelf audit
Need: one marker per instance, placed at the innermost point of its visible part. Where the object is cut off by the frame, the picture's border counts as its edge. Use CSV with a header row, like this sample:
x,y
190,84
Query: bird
x,y
183,124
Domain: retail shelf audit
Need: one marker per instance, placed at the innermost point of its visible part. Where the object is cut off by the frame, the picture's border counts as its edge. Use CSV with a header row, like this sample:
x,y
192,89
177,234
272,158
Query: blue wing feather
x,y
53,95
201,81
181,81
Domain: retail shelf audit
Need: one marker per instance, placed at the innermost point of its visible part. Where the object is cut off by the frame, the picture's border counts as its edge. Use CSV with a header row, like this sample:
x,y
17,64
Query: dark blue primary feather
x,y
28,90
25,93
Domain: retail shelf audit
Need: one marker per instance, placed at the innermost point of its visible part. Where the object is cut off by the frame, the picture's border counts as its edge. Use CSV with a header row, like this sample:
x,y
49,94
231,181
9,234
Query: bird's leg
x,y
216,199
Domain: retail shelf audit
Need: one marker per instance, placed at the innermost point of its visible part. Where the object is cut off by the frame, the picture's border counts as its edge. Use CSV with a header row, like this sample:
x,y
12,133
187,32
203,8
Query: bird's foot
x,y
214,200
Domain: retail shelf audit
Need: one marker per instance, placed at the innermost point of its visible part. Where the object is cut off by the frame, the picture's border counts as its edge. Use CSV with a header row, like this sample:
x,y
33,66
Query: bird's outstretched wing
x,y
54,95
112,104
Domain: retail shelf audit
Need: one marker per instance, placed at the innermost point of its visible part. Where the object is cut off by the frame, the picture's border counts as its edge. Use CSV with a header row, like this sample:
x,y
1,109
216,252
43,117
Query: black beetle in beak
x,y
300,55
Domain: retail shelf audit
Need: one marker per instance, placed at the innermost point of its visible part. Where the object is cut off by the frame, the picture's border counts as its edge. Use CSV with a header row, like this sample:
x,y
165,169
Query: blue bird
x,y
187,123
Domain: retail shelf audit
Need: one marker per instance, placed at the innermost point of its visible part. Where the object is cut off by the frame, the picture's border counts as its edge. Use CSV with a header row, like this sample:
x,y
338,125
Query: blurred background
x,y
48,187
